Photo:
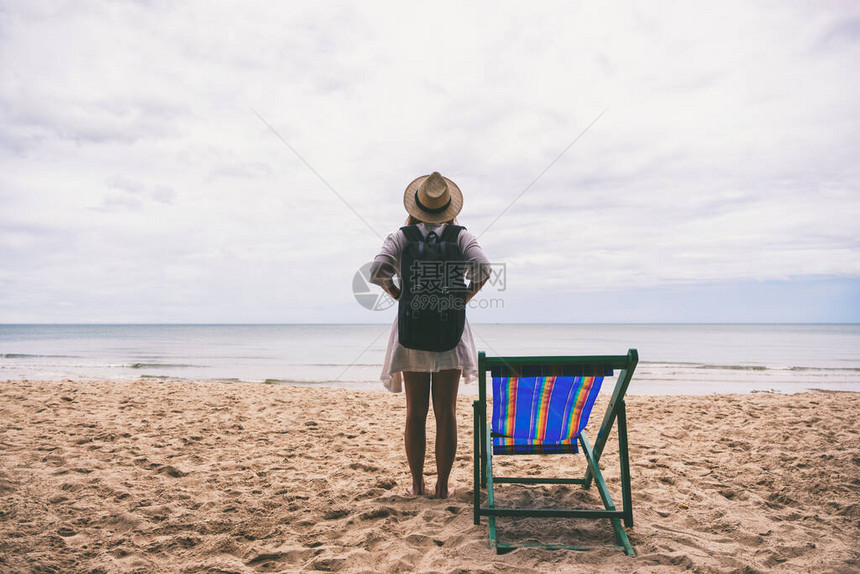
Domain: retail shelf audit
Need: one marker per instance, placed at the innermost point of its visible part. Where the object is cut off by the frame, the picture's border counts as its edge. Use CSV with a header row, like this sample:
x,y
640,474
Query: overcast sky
x,y
179,162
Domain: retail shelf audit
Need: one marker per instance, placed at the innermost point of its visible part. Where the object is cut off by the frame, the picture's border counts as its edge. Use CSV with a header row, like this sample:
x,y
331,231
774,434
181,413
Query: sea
x,y
674,358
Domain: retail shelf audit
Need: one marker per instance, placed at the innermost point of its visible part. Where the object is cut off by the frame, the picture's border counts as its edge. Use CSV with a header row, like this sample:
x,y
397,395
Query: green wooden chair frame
x,y
615,414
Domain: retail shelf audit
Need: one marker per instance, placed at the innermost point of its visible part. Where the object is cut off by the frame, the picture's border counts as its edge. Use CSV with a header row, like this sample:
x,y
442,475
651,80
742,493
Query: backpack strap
x,y
449,236
412,233
451,232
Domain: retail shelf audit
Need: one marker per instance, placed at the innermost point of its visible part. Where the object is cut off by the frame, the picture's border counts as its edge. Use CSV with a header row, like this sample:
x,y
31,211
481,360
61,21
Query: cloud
x,y
133,167
128,194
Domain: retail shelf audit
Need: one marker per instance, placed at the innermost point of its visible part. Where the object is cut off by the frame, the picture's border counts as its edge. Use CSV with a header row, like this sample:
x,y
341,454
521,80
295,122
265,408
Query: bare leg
x,y
417,404
445,385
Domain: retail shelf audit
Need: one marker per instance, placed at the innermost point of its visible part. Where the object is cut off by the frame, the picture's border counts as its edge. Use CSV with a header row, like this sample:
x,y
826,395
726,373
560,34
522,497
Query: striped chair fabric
x,y
541,415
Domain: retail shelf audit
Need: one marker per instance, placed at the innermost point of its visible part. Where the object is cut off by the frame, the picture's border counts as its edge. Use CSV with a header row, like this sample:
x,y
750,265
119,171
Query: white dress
x,y
399,358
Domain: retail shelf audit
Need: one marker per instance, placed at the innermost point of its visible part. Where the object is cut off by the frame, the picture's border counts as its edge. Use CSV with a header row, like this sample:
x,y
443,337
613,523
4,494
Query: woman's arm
x,y
385,278
474,287
479,265
384,266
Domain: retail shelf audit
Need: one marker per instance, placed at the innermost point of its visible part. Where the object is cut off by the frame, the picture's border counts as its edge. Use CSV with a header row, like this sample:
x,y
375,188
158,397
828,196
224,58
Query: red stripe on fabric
x,y
511,415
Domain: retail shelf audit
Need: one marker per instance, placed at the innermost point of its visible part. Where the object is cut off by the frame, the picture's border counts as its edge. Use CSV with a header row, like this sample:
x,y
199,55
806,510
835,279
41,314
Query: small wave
x,y
734,367
717,367
160,366
694,365
196,379
288,382
850,369
28,356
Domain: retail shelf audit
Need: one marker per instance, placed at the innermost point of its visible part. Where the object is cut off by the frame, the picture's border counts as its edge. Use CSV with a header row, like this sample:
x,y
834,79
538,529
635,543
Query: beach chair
x,y
540,407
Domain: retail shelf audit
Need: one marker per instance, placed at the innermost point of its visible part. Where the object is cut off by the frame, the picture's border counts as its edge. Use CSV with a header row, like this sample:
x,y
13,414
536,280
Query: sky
x,y
239,162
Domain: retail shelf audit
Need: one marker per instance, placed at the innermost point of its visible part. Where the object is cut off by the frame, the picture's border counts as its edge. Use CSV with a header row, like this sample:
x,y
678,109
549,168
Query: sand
x,y
156,476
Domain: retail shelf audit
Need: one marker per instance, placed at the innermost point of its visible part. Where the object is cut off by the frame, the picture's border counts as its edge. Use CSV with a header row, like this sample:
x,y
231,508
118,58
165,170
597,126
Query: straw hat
x,y
433,198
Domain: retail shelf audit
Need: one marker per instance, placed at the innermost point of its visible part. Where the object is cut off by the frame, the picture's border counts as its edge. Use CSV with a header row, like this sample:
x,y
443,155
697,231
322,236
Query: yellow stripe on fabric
x,y
547,386
578,404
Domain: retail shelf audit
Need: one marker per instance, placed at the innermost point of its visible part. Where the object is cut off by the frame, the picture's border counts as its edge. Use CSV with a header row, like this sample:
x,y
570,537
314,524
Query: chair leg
x,y
483,438
626,495
476,490
491,497
605,496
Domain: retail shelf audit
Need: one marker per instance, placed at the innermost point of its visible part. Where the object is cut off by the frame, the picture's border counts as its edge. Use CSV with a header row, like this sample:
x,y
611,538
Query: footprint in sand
x,y
379,512
172,471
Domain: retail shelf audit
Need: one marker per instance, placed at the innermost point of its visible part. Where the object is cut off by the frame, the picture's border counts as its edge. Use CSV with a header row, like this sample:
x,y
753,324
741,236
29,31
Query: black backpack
x,y
431,311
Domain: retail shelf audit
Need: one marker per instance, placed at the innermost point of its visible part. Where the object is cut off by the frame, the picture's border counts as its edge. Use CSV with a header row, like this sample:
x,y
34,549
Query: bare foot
x,y
449,494
412,491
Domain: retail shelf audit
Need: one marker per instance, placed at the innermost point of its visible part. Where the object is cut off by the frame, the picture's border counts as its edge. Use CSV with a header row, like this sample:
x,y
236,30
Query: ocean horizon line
x,y
231,324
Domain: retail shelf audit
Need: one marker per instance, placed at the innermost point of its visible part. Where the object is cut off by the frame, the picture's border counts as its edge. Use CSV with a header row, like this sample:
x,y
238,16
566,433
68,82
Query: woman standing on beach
x,y
432,202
